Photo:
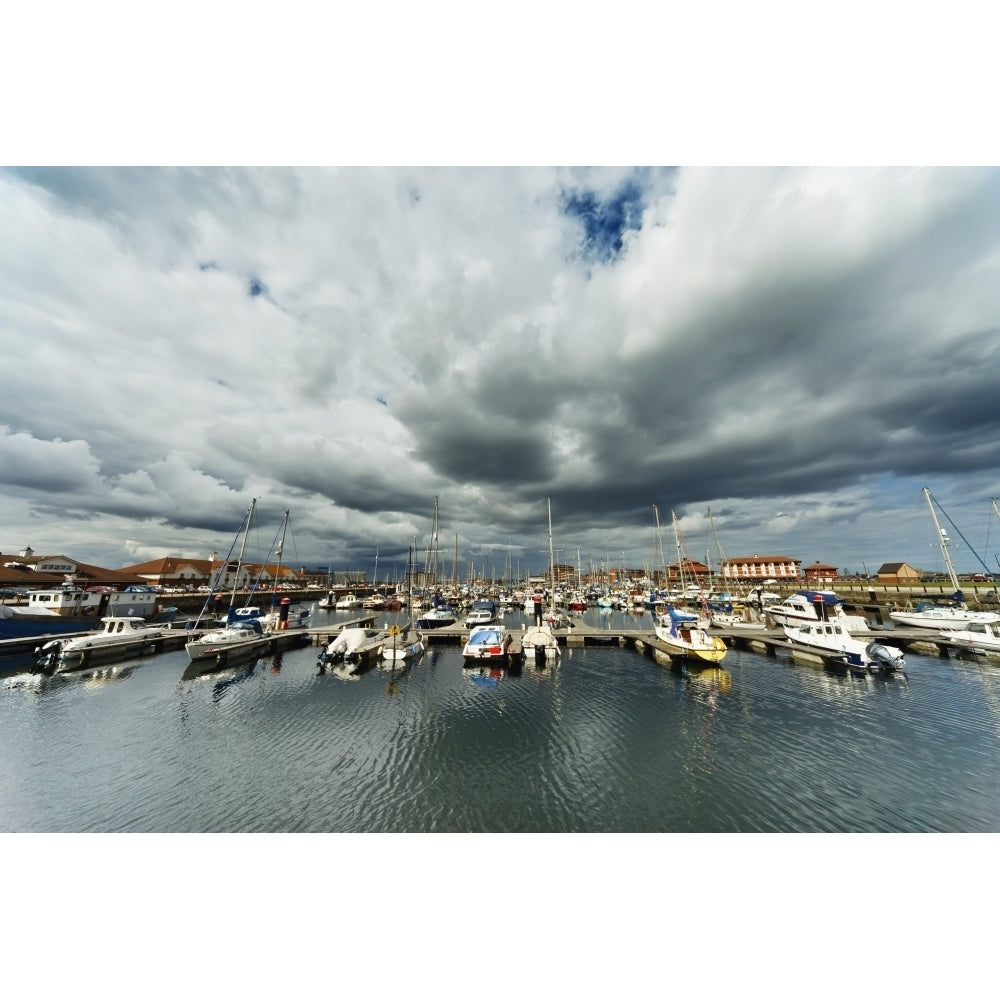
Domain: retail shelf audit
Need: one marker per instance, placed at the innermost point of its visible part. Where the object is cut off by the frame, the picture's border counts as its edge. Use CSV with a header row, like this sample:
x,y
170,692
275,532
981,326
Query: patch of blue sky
x,y
606,220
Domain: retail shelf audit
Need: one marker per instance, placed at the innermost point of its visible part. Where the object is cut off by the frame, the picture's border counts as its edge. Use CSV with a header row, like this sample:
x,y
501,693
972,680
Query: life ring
x,y
395,630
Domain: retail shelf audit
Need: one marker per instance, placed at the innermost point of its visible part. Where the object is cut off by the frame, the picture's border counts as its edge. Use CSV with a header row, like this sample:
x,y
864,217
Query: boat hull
x,y
712,652
832,642
943,618
487,642
539,642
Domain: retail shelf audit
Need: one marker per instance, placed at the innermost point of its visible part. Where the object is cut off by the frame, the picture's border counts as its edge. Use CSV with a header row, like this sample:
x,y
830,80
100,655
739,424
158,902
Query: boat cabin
x,y
123,626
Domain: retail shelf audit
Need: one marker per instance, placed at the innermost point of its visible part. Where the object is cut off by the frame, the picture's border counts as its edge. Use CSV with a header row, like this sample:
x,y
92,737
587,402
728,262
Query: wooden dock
x,y
768,642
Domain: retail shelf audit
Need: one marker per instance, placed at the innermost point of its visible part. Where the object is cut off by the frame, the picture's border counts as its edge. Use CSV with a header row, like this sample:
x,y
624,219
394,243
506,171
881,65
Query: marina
x,y
611,735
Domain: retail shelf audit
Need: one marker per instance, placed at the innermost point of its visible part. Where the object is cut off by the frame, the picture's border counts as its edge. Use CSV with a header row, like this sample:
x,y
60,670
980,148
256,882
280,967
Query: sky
x,y
782,355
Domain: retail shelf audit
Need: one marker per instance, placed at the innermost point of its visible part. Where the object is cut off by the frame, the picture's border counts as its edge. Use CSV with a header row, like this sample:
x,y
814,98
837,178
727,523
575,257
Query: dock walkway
x,y
766,641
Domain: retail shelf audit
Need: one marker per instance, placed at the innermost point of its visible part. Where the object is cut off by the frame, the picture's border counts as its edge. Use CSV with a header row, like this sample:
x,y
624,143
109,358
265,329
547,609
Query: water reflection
x,y
236,676
605,740
484,676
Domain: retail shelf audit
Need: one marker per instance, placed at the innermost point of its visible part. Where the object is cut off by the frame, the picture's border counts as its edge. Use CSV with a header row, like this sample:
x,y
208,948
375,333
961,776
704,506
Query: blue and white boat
x,y
487,642
440,615
807,606
832,639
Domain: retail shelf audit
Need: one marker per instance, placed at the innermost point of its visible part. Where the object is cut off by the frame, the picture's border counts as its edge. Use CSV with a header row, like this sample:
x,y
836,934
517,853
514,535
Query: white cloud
x,y
422,332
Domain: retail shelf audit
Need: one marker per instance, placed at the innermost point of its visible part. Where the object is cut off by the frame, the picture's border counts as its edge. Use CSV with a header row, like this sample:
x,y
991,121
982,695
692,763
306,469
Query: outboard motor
x,y
47,656
886,657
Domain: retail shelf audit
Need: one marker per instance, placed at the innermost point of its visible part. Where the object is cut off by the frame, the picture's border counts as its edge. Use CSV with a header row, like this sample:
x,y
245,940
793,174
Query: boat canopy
x,y
818,596
486,637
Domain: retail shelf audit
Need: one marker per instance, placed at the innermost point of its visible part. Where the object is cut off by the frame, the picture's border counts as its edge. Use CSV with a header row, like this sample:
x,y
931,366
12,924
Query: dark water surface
x,y
608,740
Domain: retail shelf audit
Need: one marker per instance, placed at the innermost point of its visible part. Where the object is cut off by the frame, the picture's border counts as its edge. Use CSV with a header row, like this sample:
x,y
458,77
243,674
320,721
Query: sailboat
x,y
403,642
684,635
236,569
283,614
244,627
936,616
539,640
441,614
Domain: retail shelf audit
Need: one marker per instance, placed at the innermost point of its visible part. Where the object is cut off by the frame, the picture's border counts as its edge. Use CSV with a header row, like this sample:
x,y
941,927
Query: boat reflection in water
x,y
713,679
608,741
485,676
225,674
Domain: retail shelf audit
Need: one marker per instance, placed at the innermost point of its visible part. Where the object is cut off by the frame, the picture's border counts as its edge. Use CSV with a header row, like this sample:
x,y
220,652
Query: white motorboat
x,y
487,642
833,639
352,644
539,641
121,637
808,606
478,616
980,637
349,602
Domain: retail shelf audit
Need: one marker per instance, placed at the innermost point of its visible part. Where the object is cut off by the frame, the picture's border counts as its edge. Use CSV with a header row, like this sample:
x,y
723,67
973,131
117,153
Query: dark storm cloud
x,y
799,349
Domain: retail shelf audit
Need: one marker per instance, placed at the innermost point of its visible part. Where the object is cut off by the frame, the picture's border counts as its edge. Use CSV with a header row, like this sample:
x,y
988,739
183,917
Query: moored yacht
x,y
539,641
808,606
685,637
244,636
121,637
487,642
980,637
833,639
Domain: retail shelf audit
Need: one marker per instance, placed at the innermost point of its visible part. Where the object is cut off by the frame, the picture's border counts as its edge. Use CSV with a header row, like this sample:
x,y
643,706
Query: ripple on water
x,y
607,740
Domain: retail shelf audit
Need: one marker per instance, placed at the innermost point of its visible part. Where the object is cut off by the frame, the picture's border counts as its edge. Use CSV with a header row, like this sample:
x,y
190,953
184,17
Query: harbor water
x,y
605,740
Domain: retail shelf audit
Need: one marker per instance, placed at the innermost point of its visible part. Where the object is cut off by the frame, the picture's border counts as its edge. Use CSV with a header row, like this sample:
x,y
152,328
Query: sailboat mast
x,y
677,542
434,541
943,541
277,569
659,544
243,548
552,557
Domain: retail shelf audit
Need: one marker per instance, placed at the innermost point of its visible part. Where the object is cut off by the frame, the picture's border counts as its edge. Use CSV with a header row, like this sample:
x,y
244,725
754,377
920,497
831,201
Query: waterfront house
x,y
35,572
898,572
819,574
760,569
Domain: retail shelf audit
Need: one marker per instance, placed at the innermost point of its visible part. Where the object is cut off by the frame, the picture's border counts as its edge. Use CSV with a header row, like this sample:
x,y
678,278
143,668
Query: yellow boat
x,y
685,638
